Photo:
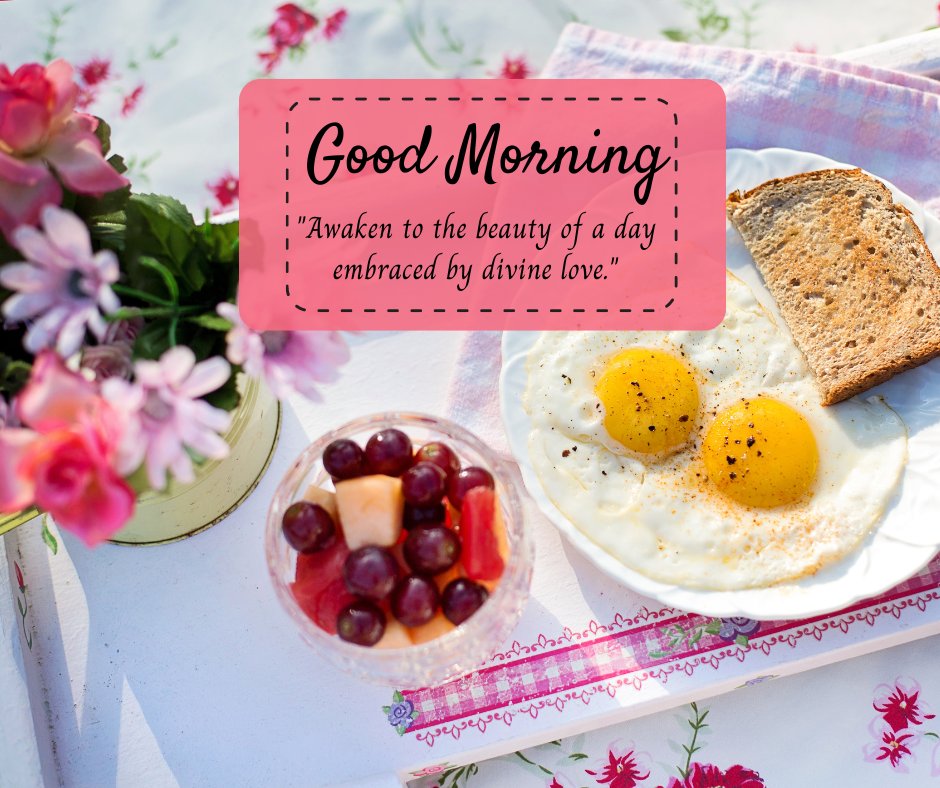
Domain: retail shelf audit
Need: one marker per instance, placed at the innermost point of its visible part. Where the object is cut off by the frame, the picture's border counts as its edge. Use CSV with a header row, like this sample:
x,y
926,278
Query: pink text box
x,y
543,204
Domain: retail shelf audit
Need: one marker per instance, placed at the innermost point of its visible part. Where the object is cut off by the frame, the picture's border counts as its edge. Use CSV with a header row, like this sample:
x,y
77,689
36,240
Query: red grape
x,y
371,572
434,514
343,459
308,527
423,484
461,599
466,480
415,600
431,549
441,455
389,452
362,622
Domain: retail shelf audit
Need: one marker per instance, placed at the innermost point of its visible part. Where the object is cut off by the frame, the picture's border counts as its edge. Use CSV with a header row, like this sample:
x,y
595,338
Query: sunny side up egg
x,y
704,458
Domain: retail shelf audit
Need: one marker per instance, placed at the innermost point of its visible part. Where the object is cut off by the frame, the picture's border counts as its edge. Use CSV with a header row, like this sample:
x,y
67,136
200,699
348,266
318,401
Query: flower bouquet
x,y
122,343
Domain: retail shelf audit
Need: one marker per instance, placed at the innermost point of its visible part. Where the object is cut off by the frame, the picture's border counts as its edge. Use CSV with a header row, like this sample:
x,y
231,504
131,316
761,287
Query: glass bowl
x,y
463,648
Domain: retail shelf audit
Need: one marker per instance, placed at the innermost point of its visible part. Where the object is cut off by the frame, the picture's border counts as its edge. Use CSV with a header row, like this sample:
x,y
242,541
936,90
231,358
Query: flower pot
x,y
220,486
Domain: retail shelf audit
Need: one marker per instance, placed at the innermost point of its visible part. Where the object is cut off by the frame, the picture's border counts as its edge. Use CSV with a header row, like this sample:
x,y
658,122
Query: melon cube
x,y
396,635
436,627
323,498
370,510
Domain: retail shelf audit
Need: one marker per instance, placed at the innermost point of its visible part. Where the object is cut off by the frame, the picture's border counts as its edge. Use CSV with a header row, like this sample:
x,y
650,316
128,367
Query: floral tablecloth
x,y
169,74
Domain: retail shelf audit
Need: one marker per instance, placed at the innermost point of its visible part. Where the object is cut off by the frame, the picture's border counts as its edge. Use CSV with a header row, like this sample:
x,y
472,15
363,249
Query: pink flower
x,y
270,60
705,775
62,286
65,459
129,104
809,49
288,361
333,24
225,190
290,26
165,402
113,358
514,68
620,772
894,748
95,71
900,709
39,130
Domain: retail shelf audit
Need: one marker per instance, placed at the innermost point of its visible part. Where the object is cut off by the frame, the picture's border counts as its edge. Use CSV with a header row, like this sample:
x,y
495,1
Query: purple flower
x,y
171,419
737,626
288,361
62,287
400,713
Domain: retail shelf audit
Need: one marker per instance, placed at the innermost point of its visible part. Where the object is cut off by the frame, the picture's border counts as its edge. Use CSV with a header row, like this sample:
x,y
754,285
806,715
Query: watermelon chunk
x,y
483,534
319,587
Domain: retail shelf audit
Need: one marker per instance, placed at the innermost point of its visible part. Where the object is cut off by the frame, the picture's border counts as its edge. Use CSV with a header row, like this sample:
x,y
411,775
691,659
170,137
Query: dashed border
x,y
482,310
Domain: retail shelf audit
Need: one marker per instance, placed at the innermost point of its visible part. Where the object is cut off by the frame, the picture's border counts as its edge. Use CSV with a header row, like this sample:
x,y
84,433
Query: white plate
x,y
905,539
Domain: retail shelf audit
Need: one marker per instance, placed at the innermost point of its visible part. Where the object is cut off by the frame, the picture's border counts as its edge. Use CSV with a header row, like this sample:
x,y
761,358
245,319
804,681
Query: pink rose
x,y
40,132
64,459
291,25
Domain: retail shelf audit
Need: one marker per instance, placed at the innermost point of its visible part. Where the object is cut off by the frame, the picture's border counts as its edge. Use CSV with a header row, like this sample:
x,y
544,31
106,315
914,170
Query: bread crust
x,y
850,345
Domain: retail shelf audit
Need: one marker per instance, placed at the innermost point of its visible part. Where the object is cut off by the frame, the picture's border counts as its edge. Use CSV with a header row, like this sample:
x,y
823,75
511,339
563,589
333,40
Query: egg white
x,y
662,517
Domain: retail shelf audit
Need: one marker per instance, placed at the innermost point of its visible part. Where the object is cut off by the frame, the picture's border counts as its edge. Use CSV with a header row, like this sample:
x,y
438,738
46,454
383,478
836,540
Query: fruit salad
x,y
407,544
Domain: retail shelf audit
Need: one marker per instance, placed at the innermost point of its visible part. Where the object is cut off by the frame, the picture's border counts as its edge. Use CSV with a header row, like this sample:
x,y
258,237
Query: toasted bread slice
x,y
850,271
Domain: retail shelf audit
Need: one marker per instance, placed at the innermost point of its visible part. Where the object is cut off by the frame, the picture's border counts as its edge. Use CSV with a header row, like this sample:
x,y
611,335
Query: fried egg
x,y
704,458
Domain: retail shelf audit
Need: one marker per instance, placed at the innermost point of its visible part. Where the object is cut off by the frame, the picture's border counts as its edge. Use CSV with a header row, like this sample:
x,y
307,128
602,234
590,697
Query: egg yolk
x,y
650,400
761,452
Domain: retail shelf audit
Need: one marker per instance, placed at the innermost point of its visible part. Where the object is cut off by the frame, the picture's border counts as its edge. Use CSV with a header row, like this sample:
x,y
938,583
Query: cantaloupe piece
x,y
370,510
435,628
396,635
323,498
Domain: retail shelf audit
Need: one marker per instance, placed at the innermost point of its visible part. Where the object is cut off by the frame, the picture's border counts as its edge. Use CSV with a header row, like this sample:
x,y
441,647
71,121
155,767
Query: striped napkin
x,y
883,121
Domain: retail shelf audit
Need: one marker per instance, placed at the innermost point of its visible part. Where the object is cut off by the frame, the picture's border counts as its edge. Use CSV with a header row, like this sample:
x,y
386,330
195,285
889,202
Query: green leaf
x,y
103,133
577,756
401,730
741,640
713,627
13,374
108,207
397,696
117,162
168,280
19,604
211,321
387,709
673,34
220,241
48,537
696,637
160,227
414,715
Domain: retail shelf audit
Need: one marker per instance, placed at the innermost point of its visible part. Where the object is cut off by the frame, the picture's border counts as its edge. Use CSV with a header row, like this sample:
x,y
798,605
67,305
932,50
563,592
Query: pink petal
x,y
16,491
206,376
54,396
22,196
44,331
23,123
36,247
76,156
176,363
24,277
208,444
72,333
105,507
209,416
60,75
24,306
66,232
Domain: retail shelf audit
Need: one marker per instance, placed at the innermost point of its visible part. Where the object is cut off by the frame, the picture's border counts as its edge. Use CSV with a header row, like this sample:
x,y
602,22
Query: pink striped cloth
x,y
883,121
